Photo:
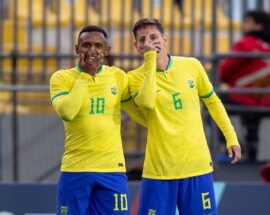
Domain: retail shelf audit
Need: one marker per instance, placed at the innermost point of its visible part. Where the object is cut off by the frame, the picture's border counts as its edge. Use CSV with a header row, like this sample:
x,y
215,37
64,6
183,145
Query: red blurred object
x,y
265,172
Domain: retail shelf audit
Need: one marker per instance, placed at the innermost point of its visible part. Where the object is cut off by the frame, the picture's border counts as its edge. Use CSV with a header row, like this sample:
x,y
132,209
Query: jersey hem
x,y
178,176
92,170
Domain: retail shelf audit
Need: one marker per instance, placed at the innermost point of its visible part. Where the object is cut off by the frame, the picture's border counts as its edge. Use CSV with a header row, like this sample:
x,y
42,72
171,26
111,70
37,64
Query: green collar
x,y
78,69
169,65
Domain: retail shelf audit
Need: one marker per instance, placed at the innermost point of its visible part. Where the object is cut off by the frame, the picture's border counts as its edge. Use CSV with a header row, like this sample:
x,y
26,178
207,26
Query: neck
x,y
92,72
162,61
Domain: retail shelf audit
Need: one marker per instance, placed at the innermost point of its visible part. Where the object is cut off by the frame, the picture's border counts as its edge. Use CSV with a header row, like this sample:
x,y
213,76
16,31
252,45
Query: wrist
x,y
150,52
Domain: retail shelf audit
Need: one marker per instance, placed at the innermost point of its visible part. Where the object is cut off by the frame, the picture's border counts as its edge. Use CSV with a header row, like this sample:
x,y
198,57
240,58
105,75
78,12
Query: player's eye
x,y
142,40
153,37
98,45
86,45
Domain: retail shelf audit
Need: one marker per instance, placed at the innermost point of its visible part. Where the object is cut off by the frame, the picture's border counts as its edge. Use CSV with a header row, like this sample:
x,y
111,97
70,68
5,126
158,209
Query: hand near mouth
x,y
90,63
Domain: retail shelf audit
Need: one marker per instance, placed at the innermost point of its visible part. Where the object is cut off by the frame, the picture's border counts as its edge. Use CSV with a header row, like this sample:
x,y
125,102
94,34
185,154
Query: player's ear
x,y
164,38
107,51
77,48
135,44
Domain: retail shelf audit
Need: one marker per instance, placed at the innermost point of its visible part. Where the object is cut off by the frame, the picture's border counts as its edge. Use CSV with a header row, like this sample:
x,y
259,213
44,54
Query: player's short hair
x,y
93,28
142,23
259,17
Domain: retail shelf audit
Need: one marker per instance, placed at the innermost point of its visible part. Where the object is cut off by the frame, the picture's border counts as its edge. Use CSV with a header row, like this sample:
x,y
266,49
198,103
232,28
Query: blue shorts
x,y
91,193
192,196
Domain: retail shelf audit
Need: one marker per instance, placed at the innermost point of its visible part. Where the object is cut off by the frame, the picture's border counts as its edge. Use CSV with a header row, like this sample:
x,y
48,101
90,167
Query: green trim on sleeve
x,y
135,94
59,94
126,100
207,95
133,98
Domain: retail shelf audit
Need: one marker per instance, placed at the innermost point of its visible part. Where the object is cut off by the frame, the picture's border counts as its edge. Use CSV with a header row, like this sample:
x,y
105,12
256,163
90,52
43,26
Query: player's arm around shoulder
x,y
67,99
127,103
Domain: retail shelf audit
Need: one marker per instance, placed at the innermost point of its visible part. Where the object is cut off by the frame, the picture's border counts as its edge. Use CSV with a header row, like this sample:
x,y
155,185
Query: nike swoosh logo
x,y
158,91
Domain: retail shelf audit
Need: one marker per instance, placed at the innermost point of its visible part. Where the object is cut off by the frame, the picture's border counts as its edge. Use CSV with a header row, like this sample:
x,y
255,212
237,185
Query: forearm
x,y
147,93
220,116
68,106
134,112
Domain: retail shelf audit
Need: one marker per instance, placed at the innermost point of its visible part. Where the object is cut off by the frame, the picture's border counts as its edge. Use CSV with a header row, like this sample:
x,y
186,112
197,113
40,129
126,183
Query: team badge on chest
x,y
113,90
190,83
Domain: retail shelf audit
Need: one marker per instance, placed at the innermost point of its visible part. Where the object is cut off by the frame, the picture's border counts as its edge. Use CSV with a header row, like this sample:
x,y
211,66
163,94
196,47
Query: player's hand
x,y
90,63
235,153
149,46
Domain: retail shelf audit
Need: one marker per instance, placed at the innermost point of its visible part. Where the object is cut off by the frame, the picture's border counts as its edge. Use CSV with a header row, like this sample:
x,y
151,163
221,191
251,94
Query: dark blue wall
x,y
232,198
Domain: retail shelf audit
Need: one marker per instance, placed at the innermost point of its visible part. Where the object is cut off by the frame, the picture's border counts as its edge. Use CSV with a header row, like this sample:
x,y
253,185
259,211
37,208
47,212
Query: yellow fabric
x,y
90,109
219,114
176,145
146,95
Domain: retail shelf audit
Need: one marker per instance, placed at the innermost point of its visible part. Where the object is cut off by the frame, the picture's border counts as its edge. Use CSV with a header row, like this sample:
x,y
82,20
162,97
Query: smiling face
x,y
93,44
147,34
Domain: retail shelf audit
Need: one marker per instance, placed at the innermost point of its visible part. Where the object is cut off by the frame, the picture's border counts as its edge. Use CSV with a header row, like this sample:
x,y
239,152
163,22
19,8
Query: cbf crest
x,y
151,212
113,90
190,83
64,210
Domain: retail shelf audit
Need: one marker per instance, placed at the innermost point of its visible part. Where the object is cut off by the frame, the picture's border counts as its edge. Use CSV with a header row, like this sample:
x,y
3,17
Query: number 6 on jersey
x,y
177,101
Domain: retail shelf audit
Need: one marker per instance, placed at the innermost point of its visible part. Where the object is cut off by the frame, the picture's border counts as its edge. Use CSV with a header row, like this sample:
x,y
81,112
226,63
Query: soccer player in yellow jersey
x,y
177,170
88,99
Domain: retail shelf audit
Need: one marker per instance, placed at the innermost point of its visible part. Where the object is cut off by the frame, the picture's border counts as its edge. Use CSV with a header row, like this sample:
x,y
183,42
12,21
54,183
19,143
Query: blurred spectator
x,y
96,5
179,4
250,72
137,5
265,172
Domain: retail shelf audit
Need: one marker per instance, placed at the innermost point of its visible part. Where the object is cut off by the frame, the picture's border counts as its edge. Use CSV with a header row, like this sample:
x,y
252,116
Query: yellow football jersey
x,y
90,107
176,143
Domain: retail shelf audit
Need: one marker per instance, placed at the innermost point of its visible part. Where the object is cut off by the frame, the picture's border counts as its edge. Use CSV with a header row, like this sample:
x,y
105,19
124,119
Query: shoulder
x,y
62,73
116,72
136,72
189,62
63,76
59,74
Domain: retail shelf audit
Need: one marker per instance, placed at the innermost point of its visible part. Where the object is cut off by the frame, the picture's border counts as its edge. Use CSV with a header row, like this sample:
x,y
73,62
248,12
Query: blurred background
x,y
37,38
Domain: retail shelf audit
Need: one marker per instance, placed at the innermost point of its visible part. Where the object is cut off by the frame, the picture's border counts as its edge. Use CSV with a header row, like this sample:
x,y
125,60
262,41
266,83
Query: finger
x,y
237,154
81,60
235,160
230,153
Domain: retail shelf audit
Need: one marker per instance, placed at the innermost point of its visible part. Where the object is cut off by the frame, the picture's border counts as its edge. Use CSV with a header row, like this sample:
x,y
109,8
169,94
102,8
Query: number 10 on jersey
x,y
97,105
